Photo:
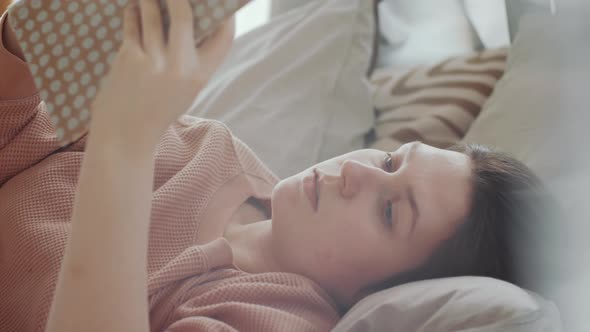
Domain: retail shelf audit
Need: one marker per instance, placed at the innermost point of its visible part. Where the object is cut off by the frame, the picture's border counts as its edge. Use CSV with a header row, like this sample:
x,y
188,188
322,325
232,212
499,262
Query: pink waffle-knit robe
x,y
202,174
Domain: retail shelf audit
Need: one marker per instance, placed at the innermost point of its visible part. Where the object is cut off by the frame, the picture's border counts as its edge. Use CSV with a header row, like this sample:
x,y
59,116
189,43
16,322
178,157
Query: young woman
x,y
164,222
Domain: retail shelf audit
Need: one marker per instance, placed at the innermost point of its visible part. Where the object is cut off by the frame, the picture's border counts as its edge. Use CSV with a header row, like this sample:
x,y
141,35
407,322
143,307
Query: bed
x,y
323,78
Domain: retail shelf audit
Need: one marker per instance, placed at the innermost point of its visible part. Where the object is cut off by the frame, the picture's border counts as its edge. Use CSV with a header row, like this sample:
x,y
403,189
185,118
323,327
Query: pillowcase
x,y
515,9
452,304
295,90
433,104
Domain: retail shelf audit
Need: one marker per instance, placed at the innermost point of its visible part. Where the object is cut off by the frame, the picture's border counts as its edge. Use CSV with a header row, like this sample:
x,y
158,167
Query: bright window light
x,y
252,15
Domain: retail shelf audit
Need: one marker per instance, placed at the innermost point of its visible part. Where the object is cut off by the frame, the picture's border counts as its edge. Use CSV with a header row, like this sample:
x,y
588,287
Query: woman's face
x,y
375,217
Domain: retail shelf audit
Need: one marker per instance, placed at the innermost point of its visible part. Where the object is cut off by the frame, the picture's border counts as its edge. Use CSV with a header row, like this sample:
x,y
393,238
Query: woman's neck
x,y
253,253
252,246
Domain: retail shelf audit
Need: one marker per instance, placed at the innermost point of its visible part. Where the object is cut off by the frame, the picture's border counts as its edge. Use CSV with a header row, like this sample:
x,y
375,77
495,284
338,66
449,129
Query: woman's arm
x,y
102,284
103,279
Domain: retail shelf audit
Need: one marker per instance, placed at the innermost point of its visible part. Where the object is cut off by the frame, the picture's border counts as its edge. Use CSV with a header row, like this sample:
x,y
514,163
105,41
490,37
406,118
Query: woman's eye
x,y
389,214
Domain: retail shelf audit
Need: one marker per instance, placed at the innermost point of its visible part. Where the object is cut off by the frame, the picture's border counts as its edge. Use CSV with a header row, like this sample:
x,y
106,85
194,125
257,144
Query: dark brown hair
x,y
504,198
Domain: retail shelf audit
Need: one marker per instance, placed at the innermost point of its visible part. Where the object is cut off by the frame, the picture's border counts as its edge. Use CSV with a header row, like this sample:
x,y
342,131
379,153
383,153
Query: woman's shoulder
x,y
201,135
190,121
283,301
248,159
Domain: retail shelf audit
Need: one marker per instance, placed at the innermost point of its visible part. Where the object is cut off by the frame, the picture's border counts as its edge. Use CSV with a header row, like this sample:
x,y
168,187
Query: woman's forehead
x,y
443,182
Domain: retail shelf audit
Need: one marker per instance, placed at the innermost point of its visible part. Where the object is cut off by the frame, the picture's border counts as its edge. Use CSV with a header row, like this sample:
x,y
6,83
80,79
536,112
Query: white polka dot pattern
x,y
69,46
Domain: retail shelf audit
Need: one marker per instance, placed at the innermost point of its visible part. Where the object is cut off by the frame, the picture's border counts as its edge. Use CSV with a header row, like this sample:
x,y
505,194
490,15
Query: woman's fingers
x,y
131,33
220,39
152,29
216,46
181,32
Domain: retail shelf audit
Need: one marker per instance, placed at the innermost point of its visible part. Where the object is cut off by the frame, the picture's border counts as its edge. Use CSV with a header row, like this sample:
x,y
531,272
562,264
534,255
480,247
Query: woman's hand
x,y
151,82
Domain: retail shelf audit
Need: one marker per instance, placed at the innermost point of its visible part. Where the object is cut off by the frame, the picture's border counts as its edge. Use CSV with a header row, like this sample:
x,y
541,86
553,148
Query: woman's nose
x,y
356,175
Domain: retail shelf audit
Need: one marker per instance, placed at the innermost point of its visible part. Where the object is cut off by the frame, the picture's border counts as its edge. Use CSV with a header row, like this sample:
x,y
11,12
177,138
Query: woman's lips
x,y
309,186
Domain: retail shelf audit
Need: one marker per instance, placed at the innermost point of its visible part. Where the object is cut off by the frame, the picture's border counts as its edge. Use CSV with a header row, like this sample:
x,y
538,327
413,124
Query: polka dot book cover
x,y
69,46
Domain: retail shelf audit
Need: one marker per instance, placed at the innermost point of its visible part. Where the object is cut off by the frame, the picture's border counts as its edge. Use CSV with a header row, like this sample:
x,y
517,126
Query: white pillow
x,y
452,304
422,32
295,89
490,21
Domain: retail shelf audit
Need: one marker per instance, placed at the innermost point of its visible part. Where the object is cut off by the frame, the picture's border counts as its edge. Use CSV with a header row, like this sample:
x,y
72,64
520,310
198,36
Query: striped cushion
x,y
433,104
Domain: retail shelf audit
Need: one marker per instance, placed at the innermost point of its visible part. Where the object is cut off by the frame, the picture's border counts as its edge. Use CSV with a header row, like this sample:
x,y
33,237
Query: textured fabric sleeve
x,y
197,324
26,132
255,302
